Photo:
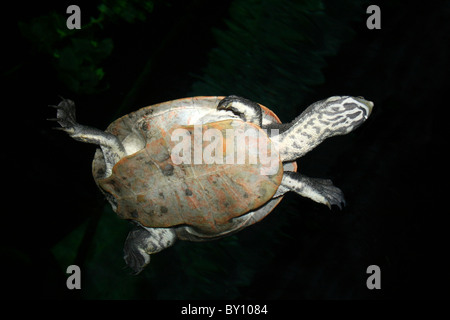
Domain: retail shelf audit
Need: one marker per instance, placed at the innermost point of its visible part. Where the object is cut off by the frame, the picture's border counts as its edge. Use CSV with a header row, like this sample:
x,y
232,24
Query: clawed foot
x,y
247,110
332,195
136,259
228,103
319,190
65,116
134,254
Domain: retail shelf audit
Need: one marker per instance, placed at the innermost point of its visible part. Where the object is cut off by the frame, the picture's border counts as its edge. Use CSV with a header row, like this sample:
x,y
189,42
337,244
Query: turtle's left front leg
x,y
248,110
320,190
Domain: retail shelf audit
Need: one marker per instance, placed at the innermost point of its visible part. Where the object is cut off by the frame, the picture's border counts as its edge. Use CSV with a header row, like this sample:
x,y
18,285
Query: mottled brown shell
x,y
150,188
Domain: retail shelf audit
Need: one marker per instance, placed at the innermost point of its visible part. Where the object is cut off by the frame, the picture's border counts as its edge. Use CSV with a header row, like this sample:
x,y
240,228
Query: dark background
x,y
285,55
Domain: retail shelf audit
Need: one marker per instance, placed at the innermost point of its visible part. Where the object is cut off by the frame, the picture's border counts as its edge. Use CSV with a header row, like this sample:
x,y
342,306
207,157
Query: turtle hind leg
x,y
249,111
320,190
112,148
65,116
142,242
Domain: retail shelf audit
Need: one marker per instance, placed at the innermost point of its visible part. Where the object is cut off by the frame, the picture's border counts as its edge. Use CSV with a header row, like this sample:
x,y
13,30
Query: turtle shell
x,y
153,187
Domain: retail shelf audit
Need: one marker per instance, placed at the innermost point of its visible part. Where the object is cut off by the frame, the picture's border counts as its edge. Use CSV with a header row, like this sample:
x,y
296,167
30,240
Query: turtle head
x,y
342,114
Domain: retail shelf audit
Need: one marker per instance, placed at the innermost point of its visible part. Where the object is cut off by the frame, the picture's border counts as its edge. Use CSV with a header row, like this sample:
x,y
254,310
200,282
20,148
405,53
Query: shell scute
x,y
148,187
198,194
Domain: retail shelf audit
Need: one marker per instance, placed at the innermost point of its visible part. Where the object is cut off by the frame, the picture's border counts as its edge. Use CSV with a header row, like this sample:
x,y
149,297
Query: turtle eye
x,y
334,98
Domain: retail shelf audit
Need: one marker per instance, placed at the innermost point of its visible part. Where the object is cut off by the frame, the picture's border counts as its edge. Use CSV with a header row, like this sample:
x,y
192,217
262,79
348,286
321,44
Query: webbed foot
x,y
134,254
65,116
111,146
319,190
247,110
142,242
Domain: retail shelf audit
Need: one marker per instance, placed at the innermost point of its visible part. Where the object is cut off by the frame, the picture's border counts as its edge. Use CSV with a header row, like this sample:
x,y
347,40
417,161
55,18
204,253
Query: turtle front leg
x,y
337,115
320,190
249,111
112,148
142,242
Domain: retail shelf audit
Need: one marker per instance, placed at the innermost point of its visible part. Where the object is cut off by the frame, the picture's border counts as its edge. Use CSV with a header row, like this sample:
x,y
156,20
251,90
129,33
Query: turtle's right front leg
x,y
320,190
112,148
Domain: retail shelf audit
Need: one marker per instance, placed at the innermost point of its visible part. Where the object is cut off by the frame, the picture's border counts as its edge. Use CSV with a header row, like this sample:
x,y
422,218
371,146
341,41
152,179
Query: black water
x,y
390,169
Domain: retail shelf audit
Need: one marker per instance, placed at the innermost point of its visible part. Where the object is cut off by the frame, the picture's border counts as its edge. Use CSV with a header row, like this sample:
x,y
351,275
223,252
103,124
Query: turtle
x,y
143,165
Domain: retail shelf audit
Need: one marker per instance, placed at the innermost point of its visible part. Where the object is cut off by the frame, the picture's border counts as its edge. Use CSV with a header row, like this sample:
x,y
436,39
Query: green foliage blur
x,y
78,55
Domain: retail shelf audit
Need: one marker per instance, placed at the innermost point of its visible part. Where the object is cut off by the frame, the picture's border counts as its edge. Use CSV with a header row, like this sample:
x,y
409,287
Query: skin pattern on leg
x,y
320,190
112,148
142,242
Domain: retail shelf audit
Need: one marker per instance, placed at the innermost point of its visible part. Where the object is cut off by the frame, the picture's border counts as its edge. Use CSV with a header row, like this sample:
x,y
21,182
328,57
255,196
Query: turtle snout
x,y
366,105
